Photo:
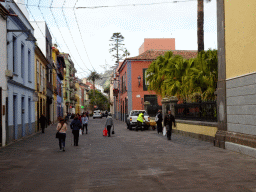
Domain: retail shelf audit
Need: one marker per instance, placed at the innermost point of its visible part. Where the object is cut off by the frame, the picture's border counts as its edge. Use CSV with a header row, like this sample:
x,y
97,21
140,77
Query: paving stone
x,y
126,161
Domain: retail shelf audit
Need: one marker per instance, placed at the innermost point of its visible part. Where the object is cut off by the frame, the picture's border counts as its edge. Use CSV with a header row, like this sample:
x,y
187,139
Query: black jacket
x,y
168,120
75,125
43,119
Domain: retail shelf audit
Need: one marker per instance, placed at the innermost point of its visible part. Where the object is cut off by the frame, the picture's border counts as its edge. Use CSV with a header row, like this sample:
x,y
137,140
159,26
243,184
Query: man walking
x,y
159,118
168,120
43,122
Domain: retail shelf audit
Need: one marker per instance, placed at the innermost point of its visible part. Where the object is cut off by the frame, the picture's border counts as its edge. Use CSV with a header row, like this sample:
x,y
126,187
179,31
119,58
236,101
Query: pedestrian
x,y
79,117
76,125
169,119
43,122
109,123
87,114
159,119
140,120
85,123
62,129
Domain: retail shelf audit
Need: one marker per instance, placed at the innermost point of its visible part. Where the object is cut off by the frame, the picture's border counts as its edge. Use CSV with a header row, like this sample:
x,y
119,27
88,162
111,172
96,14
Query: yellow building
x,y
55,53
78,98
40,84
236,94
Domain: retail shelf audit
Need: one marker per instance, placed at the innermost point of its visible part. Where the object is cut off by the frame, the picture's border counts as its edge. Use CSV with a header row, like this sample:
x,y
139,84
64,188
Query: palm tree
x,y
126,53
200,24
93,77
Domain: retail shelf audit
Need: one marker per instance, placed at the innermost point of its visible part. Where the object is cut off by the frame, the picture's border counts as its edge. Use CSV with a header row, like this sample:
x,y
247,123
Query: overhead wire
x,y
81,35
112,6
72,36
64,39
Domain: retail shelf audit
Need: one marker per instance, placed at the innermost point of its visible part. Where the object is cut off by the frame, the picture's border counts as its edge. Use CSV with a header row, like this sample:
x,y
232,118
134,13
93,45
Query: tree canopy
x,y
187,79
100,100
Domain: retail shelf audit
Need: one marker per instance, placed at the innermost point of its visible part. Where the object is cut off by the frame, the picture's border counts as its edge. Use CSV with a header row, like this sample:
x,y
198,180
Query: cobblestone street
x,y
126,161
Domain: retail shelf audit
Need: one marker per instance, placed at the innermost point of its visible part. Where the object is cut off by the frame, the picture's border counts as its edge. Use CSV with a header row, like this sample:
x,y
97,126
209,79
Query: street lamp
x,y
139,79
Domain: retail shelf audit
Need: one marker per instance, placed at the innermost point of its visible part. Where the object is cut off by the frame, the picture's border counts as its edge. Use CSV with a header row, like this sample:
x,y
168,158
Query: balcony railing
x,y
49,86
204,111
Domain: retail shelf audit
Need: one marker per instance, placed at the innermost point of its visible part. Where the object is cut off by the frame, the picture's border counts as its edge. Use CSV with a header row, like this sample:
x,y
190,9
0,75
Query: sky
x,y
84,33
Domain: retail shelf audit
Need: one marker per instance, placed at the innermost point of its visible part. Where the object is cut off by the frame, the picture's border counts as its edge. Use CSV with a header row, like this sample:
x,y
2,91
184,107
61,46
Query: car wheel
x,y
130,127
93,117
127,126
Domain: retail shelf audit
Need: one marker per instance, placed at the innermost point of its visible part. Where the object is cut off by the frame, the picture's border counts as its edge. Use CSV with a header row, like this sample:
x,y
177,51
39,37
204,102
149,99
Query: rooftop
x,y
153,54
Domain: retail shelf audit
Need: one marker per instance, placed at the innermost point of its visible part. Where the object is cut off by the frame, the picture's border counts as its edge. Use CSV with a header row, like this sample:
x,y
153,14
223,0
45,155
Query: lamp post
x,y
139,80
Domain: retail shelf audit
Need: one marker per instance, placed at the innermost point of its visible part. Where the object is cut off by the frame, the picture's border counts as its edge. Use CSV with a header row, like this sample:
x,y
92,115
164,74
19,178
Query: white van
x,y
97,114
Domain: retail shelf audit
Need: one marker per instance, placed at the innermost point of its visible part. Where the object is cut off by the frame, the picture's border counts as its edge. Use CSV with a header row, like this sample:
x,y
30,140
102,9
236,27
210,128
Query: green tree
x,y
172,75
100,100
116,46
126,53
93,77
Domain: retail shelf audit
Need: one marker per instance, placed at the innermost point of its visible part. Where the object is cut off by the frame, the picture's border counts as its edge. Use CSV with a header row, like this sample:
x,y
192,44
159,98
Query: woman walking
x,y
76,125
62,129
109,123
85,123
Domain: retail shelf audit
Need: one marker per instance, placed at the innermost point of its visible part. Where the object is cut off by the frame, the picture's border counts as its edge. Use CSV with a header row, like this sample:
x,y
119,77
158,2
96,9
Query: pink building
x,y
157,44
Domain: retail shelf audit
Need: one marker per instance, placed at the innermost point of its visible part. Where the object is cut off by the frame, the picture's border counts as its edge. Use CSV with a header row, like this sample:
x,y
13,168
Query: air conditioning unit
x,y
9,73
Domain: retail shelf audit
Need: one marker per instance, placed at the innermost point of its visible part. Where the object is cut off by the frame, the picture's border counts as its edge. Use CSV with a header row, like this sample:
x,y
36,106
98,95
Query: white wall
x,y
39,33
3,66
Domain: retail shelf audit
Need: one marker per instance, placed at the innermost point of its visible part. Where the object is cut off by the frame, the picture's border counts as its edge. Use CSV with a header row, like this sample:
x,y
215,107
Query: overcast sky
x,y
165,20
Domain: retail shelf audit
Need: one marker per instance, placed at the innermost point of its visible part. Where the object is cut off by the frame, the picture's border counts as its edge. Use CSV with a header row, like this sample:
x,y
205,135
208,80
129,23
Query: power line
x,y
63,37
108,6
82,37
72,36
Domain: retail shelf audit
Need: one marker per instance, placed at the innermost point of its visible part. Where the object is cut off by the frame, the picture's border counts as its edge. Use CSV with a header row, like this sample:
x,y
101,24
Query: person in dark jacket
x,y
168,121
76,125
43,122
109,123
159,122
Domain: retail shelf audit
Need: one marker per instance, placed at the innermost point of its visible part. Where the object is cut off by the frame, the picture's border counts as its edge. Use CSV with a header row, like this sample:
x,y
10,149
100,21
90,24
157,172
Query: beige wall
x,y
240,37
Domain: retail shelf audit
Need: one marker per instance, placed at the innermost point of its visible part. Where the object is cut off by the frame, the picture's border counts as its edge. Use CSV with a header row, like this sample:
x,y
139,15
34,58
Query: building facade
x,y
157,44
3,79
40,85
21,84
236,93
44,42
132,86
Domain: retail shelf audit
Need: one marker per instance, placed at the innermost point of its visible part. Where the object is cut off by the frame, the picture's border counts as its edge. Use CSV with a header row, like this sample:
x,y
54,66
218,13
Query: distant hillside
x,y
105,81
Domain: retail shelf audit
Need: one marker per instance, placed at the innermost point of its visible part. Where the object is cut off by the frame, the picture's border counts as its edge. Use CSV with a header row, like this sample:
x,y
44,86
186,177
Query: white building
x,y
3,66
20,110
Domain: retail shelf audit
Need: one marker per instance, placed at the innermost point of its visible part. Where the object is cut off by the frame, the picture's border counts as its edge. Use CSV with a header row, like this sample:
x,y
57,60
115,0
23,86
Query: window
x,y
29,66
22,59
37,73
145,83
14,52
41,77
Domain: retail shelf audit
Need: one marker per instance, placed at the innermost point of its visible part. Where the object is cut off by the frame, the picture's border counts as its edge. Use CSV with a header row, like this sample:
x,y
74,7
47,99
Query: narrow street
x,y
126,161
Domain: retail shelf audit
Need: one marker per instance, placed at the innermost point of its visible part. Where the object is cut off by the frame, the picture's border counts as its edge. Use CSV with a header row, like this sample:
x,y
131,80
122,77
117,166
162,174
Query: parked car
x,y
97,114
132,119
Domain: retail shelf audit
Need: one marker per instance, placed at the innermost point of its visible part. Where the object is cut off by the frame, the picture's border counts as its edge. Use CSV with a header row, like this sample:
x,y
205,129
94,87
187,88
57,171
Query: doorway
x,y
23,116
15,131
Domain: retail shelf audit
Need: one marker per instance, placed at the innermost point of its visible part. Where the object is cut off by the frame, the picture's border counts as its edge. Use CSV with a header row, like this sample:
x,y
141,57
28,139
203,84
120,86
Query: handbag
x,y
113,132
58,134
164,131
105,132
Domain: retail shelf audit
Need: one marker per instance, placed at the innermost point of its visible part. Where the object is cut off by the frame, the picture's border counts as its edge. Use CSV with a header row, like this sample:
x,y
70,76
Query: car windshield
x,y
136,113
